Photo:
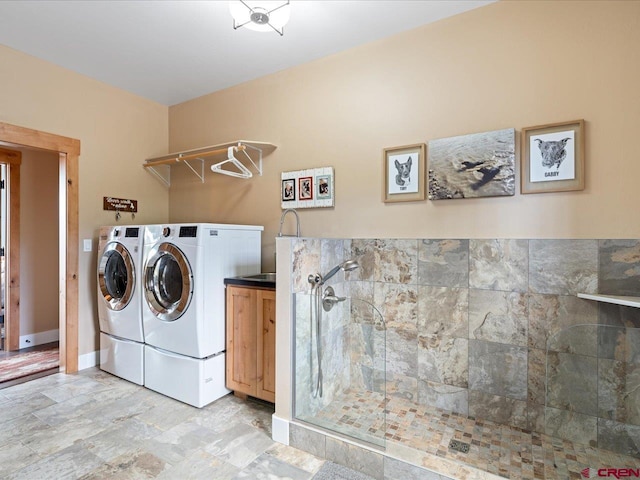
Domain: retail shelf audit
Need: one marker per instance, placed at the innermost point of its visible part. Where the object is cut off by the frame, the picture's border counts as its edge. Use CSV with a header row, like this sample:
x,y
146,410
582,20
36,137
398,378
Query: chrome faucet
x,y
284,214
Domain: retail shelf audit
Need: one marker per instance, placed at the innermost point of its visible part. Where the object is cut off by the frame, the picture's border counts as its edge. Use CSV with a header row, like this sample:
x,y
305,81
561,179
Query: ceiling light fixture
x,y
261,16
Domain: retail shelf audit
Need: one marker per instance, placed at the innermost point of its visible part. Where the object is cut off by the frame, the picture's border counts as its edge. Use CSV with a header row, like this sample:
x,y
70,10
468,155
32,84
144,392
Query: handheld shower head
x,y
350,265
324,299
345,266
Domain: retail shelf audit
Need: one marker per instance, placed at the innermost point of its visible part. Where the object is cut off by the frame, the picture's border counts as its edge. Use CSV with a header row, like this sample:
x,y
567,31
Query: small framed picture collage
x,y
312,188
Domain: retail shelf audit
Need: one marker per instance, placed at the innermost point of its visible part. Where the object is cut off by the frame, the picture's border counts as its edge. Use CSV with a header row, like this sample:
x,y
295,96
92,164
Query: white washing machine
x,y
119,301
183,307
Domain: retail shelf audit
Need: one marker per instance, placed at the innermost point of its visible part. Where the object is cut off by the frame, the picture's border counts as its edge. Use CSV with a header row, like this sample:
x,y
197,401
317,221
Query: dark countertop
x,y
259,280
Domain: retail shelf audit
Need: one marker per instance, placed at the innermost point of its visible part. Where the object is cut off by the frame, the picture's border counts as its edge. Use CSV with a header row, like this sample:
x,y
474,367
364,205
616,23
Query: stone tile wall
x,y
319,256
469,322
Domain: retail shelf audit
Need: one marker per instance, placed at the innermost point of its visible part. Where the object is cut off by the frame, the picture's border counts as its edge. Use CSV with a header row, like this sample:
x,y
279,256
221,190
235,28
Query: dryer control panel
x,y
188,232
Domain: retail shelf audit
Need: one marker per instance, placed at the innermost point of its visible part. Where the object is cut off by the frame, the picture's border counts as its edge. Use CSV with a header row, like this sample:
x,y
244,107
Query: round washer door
x,y
116,276
168,282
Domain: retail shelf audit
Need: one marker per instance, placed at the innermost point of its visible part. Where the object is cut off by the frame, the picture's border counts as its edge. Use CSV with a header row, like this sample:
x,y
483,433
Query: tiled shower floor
x,y
498,449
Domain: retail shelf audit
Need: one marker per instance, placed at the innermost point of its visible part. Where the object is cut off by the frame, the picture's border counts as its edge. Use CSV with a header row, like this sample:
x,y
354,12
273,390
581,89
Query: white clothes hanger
x,y
243,172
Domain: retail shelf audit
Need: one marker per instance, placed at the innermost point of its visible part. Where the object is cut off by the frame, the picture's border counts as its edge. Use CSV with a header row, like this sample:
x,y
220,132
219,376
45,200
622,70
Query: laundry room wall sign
x,y
120,204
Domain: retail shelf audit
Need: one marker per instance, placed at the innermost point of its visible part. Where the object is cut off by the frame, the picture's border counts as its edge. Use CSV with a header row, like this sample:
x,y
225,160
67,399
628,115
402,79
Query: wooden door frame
x,y
12,159
68,150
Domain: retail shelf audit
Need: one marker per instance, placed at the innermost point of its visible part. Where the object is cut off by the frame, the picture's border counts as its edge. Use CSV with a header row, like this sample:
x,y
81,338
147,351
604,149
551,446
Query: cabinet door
x,y
266,333
241,340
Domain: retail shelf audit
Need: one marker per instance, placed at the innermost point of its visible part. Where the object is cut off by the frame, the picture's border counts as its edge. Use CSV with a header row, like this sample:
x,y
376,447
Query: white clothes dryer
x,y
184,293
184,305
119,302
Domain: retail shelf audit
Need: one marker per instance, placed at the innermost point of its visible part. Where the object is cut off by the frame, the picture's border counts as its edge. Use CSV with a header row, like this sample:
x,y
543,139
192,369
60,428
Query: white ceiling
x,y
173,51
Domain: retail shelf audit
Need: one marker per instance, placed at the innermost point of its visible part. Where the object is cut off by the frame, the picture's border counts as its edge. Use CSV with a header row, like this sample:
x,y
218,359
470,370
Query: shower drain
x,y
459,446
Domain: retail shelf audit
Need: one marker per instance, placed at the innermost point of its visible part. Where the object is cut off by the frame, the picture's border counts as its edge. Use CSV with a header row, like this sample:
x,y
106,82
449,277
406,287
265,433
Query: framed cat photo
x,y
552,158
404,173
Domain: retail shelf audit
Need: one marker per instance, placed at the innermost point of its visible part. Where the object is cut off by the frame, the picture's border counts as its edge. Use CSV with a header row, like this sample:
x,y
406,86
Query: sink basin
x,y
265,277
259,280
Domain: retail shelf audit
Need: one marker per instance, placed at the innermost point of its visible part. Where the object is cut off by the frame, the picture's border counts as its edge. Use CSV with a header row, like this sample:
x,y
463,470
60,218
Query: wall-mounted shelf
x,y
248,150
627,301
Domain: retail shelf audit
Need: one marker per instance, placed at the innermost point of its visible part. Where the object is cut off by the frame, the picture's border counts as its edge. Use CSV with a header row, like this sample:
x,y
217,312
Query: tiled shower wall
x,y
318,256
468,324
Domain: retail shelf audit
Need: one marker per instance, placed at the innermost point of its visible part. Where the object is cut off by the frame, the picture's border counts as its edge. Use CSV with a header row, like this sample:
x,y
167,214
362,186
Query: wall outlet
x,y
88,244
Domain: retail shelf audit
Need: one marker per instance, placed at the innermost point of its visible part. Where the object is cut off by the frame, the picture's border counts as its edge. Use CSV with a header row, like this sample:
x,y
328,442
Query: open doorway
x,y
11,161
67,151
3,243
32,348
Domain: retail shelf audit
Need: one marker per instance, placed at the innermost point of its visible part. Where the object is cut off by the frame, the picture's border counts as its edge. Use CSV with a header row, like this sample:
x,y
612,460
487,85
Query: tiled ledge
x,y
381,465
627,301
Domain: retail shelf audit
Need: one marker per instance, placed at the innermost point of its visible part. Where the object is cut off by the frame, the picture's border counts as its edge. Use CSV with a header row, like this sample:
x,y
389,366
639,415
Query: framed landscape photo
x,y
552,157
473,165
404,173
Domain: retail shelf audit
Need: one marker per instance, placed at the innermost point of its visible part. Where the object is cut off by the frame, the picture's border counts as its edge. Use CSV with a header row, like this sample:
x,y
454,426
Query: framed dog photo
x,y
553,158
305,188
404,173
289,190
324,186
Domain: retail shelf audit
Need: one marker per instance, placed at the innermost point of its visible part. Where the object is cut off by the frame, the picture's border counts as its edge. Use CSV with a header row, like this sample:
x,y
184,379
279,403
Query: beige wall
x,y
509,64
39,265
117,131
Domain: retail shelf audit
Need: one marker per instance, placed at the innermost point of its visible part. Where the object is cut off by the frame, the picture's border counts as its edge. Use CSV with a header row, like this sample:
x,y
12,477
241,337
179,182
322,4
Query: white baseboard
x,y
88,360
279,429
33,339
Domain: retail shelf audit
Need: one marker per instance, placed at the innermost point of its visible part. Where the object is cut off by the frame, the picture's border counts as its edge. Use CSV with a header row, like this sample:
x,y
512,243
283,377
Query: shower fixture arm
x,y
314,280
319,302
331,273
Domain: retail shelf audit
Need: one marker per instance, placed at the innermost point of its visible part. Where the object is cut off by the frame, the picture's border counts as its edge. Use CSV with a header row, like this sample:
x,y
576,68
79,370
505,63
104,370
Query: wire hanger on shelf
x,y
243,172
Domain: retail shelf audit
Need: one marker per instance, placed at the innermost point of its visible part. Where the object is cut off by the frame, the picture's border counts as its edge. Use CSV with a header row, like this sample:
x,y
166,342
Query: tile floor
x,y
498,449
96,426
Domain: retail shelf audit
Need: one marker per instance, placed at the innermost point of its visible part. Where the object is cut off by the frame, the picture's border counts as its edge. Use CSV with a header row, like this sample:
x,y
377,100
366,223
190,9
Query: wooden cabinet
x,y
251,341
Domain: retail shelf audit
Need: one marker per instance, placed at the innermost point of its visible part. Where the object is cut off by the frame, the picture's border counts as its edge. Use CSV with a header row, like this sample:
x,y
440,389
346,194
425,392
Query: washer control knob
x,y
166,231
